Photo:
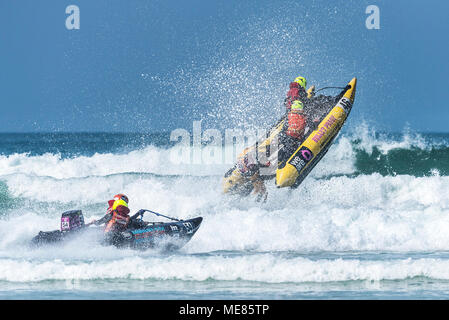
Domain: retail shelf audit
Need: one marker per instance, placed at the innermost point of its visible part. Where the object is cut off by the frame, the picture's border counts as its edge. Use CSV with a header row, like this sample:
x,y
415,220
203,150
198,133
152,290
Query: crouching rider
x,y
250,170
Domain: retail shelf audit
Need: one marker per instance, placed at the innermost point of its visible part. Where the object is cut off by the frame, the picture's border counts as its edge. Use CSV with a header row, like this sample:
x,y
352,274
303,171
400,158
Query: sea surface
x,y
371,221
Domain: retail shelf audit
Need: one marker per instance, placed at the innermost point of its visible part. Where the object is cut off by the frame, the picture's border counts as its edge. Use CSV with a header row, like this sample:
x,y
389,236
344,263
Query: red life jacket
x,y
119,219
296,92
296,125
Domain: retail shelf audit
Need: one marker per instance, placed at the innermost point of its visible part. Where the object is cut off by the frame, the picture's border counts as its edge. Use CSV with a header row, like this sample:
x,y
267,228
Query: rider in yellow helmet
x,y
304,111
296,121
301,81
315,107
117,216
298,91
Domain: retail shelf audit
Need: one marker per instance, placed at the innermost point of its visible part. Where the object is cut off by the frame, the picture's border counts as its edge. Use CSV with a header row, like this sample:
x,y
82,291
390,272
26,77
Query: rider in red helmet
x,y
117,216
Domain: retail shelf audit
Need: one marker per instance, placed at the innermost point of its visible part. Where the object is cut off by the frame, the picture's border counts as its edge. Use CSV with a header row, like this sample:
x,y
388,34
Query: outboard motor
x,y
72,220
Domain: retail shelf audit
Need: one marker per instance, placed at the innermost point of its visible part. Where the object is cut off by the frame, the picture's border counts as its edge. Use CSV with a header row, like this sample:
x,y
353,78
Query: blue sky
x,y
159,65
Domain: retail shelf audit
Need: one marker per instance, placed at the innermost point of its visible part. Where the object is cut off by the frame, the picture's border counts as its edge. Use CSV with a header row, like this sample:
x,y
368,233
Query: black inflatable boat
x,y
139,235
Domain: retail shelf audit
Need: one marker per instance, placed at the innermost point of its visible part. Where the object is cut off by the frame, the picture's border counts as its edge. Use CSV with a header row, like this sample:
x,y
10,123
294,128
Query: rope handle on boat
x,y
142,211
329,88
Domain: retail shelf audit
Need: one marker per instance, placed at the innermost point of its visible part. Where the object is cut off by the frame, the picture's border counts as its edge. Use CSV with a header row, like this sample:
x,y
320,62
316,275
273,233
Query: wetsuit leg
x,y
288,146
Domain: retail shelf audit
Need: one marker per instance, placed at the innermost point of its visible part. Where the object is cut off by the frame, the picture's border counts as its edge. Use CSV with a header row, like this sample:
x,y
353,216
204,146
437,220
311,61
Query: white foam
x,y
342,213
264,268
368,212
384,142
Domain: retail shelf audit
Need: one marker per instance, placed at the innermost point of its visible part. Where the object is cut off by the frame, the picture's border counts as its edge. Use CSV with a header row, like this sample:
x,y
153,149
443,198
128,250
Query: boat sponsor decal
x,y
303,156
325,128
188,226
65,223
345,104
147,234
127,235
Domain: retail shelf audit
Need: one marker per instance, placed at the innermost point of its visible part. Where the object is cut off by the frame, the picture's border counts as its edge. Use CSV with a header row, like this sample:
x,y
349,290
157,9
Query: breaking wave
x,y
370,193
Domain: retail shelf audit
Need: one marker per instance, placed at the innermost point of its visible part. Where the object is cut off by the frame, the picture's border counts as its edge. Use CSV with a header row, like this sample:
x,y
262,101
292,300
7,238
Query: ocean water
x,y
371,221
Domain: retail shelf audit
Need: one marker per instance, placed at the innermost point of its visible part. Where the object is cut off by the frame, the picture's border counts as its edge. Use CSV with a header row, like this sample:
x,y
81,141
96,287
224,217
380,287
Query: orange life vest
x,y
119,219
296,125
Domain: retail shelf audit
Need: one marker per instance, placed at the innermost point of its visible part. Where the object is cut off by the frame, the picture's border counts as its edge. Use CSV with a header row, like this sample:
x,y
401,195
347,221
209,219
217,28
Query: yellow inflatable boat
x,y
292,172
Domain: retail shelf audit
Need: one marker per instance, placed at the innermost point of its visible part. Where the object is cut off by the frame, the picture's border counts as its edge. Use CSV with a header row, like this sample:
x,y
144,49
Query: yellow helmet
x,y
119,200
297,106
301,81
